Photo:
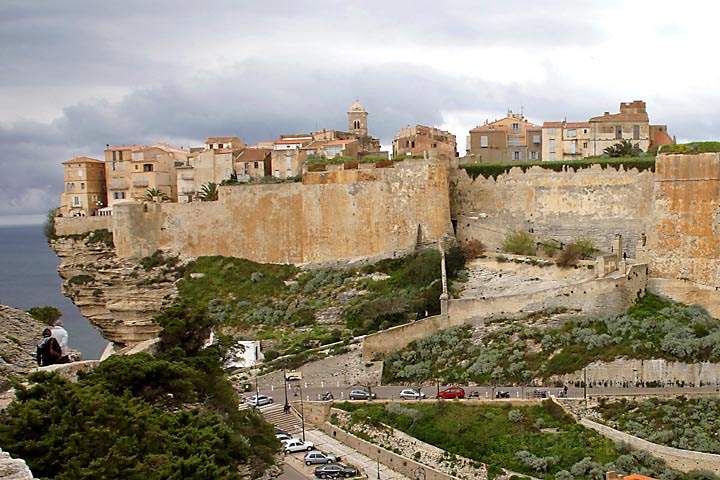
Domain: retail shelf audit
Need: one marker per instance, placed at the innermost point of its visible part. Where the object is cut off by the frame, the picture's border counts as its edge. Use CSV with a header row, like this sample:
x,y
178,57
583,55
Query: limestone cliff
x,y
119,296
19,333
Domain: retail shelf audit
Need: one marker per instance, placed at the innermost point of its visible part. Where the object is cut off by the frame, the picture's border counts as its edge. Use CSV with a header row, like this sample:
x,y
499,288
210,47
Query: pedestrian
x,y
61,335
48,351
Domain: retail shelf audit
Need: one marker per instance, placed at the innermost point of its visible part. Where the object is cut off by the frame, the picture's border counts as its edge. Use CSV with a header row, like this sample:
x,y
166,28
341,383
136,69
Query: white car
x,y
283,436
313,458
259,400
411,394
296,445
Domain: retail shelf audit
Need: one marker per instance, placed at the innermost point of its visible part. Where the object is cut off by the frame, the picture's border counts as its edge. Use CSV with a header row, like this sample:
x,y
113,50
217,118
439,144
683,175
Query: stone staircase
x,y
13,468
274,414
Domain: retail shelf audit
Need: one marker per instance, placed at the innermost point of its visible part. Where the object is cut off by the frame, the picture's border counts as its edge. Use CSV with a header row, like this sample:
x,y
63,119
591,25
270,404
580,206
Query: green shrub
x,y
49,226
692,148
103,236
46,315
81,279
519,243
641,163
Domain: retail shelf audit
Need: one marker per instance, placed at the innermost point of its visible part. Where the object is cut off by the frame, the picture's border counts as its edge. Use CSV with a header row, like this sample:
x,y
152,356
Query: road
x,y
310,392
291,473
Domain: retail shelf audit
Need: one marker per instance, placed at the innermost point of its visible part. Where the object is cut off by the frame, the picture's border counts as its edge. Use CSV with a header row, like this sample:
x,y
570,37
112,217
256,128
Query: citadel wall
x,y
331,216
592,203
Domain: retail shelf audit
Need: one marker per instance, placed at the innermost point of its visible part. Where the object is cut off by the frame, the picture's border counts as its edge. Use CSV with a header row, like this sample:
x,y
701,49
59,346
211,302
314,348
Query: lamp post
x,y
287,405
302,414
257,391
585,386
378,465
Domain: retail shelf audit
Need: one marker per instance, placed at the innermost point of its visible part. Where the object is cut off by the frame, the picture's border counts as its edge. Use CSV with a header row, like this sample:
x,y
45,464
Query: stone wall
x,y
592,203
80,225
339,215
687,292
684,241
611,294
683,460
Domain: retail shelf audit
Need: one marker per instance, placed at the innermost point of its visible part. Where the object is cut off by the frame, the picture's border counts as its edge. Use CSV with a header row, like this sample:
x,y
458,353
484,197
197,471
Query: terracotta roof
x,y
253,155
124,147
292,141
82,160
222,139
566,125
637,476
662,138
621,117
341,142
496,126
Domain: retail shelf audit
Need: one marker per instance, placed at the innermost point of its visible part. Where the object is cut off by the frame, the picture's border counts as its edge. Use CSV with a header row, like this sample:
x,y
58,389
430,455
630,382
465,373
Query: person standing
x,y
61,335
48,350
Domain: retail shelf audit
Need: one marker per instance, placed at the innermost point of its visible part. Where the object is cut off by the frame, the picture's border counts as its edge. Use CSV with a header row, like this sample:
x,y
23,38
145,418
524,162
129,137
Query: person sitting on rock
x,y
61,335
48,350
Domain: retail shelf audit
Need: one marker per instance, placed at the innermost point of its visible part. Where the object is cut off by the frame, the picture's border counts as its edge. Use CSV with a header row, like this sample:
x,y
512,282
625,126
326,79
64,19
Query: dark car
x,y
502,394
335,471
541,394
358,394
452,392
474,394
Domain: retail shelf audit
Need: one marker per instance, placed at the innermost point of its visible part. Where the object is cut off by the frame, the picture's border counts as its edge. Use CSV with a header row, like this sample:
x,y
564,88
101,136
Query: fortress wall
x,y
592,203
79,225
331,216
684,240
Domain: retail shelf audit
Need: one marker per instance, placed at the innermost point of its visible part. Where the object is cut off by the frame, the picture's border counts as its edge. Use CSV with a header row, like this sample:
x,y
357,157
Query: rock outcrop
x,y
13,468
19,333
119,296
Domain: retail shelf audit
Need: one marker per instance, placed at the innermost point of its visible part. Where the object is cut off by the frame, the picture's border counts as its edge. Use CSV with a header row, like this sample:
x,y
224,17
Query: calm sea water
x,y
29,278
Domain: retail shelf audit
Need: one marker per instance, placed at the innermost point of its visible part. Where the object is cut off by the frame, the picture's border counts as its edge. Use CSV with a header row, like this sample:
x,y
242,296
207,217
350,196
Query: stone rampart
x,y
79,225
684,239
612,294
594,203
683,460
339,215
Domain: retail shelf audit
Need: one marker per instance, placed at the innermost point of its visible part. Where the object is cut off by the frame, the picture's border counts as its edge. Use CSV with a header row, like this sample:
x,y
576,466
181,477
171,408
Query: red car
x,y
452,392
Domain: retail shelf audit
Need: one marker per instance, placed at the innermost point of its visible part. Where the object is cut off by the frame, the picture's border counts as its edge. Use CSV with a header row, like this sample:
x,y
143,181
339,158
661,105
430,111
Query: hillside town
x,y
163,172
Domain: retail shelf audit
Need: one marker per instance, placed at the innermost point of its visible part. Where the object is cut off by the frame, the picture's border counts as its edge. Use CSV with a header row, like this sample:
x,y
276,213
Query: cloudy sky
x,y
75,75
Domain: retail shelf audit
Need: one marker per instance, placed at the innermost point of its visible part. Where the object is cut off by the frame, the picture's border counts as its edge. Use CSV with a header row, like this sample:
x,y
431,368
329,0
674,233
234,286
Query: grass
x,y
692,148
497,434
644,162
690,424
515,352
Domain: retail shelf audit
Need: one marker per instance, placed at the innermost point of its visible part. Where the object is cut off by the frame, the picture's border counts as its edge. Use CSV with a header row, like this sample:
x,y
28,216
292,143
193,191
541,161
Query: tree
x,y
155,195
209,192
624,148
46,315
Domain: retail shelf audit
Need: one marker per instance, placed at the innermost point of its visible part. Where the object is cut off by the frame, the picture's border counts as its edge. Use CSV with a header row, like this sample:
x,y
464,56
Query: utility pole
x,y
378,465
585,386
302,414
286,408
257,391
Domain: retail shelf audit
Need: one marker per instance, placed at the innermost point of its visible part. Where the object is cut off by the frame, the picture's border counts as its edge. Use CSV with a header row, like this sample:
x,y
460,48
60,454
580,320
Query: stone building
x,y
253,163
510,139
131,170
571,140
348,147
224,143
213,163
566,140
84,190
420,138
286,159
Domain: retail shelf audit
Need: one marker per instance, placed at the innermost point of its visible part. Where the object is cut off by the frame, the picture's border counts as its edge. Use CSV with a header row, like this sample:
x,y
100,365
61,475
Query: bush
x,y
49,226
519,243
581,249
46,315
473,249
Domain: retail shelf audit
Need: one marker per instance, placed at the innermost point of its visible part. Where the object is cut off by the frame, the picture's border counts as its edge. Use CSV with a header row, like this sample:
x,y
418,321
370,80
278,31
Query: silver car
x,y
259,400
411,394
314,458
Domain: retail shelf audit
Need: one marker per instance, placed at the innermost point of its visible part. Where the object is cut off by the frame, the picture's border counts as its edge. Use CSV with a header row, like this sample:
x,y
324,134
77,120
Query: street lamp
x,y
302,414
286,408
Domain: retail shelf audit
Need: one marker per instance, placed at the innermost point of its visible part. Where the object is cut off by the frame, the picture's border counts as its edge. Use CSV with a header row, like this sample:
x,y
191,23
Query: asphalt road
x,y
291,473
296,389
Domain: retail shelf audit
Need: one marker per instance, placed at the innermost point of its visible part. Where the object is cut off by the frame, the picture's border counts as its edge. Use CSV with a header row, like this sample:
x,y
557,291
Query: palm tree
x,y
209,192
155,195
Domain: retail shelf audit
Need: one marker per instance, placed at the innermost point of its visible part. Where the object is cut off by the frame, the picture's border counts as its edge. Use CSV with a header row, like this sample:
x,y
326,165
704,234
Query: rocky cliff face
x,y
119,296
19,333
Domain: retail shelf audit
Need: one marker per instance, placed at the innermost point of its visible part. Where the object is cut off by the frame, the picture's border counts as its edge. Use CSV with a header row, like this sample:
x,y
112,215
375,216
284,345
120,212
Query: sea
x,y
29,278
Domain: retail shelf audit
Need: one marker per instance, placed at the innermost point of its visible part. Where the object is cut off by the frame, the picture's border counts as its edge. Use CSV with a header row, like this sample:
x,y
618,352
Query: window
x,y
618,132
533,155
82,185
412,144
148,167
80,172
551,146
76,201
484,141
536,139
571,133
114,165
584,144
255,165
137,167
114,157
434,145
573,148
636,132
516,155
516,127
584,130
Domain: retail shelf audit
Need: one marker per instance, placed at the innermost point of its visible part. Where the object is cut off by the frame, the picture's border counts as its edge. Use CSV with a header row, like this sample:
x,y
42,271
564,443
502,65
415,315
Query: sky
x,y
76,75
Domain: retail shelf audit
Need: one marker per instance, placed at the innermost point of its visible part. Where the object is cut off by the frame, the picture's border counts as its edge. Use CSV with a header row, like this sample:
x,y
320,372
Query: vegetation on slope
x,y
141,417
515,352
692,148
690,424
540,440
488,170
284,305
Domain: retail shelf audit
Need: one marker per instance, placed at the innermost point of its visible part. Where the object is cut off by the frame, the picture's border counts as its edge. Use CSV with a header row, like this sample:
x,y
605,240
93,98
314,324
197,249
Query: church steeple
x,y
357,119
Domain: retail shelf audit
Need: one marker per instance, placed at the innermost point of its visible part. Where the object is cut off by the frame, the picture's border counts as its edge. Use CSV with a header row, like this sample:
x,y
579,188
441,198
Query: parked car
x,y
541,394
313,458
502,394
279,430
259,400
411,394
283,436
452,392
475,394
335,471
358,394
296,445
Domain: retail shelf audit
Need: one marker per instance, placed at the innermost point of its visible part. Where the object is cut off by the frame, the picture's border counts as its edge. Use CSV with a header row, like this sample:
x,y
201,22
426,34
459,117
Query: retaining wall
x,y
80,225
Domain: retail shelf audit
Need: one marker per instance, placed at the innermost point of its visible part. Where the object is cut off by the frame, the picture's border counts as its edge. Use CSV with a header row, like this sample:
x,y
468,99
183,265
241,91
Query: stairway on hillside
x,y
288,422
